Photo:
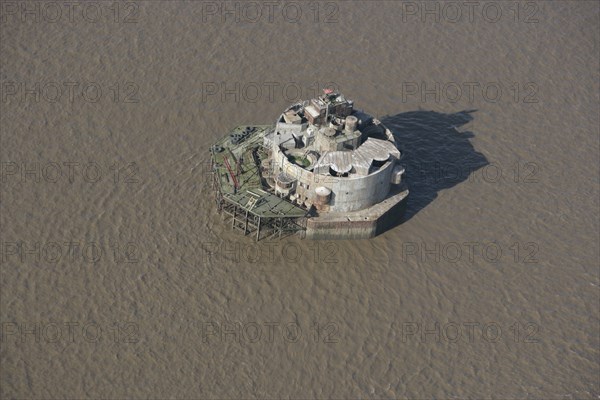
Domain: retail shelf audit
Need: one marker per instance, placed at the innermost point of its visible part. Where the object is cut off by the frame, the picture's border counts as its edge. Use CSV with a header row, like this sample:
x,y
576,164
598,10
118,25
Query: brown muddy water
x,y
120,280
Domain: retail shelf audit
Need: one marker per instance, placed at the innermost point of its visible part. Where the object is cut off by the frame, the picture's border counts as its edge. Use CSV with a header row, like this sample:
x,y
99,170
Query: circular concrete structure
x,y
325,143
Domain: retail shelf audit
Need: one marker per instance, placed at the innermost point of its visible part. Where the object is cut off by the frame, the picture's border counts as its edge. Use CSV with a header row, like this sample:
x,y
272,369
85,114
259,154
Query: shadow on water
x,y
435,153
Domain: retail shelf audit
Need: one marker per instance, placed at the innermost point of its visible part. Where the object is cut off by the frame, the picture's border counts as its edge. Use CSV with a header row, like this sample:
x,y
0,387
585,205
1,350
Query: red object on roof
x,y
235,182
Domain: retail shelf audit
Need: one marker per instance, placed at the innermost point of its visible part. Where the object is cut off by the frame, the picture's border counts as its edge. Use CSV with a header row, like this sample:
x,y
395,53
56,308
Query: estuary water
x,y
120,280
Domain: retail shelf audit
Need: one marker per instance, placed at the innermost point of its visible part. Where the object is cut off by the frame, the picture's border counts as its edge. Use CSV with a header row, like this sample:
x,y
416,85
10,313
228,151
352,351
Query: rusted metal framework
x,y
247,222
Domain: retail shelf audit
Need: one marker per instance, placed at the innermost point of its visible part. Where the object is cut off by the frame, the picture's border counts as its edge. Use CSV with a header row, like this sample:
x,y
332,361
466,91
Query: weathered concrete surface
x,y
349,193
361,224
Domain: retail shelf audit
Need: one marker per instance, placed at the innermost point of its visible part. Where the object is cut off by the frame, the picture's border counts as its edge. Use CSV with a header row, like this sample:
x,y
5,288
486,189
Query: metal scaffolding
x,y
247,222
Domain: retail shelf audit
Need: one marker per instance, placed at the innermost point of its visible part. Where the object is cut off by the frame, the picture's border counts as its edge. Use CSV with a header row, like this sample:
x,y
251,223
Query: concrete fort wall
x,y
380,218
339,230
348,194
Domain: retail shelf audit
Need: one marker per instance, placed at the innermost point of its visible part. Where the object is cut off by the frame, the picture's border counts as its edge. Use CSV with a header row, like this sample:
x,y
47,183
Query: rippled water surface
x,y
120,280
